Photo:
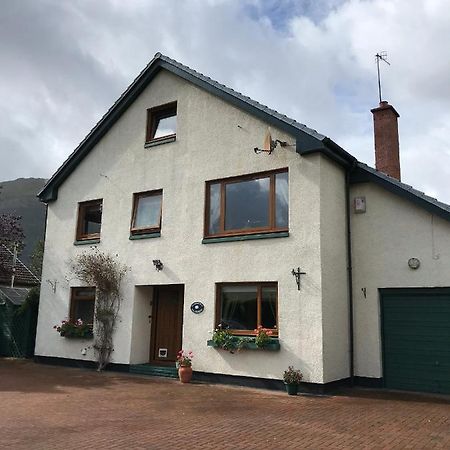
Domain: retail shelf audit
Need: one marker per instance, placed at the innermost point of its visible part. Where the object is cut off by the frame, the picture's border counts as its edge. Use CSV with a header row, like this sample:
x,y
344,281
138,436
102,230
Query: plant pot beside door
x,y
185,374
184,364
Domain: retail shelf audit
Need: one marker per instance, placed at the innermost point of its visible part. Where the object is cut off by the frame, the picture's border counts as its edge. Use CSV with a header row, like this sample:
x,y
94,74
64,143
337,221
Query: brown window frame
x,y
260,285
136,196
272,205
154,115
74,298
82,206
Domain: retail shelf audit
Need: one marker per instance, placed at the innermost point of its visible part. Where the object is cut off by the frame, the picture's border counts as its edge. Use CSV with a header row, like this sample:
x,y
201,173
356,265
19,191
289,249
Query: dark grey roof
x,y
307,139
364,173
16,296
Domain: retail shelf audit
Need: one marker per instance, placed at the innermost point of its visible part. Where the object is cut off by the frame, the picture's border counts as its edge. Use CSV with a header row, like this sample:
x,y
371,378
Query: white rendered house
x,y
216,232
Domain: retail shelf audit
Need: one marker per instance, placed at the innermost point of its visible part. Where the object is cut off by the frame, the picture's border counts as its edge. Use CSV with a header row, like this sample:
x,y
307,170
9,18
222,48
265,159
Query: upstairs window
x,y
147,208
242,307
162,123
89,220
82,304
249,204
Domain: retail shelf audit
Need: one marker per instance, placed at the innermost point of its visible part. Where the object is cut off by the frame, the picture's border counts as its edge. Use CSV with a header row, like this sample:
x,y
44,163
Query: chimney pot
x,y
385,125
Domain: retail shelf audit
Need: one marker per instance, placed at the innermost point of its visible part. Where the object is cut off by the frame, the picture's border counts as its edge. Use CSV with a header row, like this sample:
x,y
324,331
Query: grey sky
x,y
63,64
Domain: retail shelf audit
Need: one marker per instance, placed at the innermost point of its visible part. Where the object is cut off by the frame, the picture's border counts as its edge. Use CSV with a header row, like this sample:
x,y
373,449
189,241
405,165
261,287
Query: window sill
x,y
87,242
273,345
164,140
71,336
135,237
245,237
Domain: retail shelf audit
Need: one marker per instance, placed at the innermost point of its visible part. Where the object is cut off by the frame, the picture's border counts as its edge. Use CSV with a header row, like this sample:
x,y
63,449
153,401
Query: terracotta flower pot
x,y
185,374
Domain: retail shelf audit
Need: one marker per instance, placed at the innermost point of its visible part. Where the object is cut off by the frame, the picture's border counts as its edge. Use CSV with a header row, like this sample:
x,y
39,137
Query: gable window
x,y
82,304
89,220
249,204
162,123
242,307
147,208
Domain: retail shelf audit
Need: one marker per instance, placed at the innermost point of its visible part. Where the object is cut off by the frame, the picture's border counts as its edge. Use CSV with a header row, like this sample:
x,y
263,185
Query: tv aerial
x,y
381,56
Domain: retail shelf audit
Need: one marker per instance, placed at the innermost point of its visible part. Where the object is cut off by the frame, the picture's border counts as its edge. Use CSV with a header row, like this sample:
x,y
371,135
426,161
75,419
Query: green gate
x,y
416,339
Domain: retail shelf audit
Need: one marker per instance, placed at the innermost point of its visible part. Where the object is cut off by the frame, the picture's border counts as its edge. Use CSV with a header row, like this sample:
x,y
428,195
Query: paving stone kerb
x,y
47,407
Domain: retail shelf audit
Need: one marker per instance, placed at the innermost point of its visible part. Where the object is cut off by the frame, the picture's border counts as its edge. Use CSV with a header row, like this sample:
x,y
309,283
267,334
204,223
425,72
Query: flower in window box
x,y
262,337
74,329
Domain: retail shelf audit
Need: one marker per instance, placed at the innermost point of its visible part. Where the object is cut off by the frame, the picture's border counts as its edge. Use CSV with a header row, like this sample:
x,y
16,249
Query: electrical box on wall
x,y
359,205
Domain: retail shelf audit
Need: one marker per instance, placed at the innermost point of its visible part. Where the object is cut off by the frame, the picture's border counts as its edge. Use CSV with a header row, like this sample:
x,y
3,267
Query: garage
x,y
416,339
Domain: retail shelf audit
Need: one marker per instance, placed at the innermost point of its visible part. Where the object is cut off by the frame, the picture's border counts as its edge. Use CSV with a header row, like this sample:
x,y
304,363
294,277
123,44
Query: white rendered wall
x,y
214,140
335,301
383,239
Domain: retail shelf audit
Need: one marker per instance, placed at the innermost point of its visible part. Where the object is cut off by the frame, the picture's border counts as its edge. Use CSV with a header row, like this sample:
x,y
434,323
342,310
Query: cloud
x,y
65,63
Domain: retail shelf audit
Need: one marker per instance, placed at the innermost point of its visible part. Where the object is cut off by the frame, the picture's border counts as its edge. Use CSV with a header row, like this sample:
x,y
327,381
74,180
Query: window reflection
x,y
247,204
282,199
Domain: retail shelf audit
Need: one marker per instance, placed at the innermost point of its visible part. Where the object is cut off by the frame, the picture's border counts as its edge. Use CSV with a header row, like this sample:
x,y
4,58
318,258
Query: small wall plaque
x,y
413,263
197,307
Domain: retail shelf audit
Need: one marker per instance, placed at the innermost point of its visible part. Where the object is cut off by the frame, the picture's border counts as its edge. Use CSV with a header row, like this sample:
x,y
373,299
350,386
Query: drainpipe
x,y
349,274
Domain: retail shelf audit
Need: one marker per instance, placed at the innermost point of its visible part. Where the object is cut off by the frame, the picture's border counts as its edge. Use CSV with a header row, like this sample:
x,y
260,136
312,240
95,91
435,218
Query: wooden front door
x,y
167,322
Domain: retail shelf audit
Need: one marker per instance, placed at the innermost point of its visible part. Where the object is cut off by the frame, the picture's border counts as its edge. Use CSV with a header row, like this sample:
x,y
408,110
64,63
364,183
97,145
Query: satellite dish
x,y
267,145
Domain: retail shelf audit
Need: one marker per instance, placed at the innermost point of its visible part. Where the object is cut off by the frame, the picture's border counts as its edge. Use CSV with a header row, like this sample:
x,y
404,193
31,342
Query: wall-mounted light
x,y
297,274
158,264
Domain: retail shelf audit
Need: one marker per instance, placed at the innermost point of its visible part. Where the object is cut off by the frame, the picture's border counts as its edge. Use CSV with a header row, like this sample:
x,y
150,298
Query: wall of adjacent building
x,y
392,231
214,140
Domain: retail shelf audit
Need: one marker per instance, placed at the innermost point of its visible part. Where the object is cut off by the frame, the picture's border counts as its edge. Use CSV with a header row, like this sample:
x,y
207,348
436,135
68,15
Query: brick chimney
x,y
386,139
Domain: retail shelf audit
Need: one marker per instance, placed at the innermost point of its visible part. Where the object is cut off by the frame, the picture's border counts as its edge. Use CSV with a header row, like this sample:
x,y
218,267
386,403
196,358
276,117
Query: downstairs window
x,y
242,307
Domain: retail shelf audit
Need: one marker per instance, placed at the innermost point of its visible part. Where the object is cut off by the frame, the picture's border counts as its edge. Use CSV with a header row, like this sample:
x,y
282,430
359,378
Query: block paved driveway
x,y
46,407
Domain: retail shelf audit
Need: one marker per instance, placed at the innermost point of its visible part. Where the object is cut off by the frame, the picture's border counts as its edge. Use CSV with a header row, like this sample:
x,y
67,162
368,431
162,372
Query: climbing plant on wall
x,y
106,273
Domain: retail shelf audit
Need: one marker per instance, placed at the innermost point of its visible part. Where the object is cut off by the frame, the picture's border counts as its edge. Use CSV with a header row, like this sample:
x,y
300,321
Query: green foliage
x,y
31,301
262,337
36,258
223,339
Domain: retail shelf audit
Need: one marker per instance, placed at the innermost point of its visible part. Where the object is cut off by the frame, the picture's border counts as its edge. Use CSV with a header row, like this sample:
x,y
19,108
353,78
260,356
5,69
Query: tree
x,y
11,233
104,272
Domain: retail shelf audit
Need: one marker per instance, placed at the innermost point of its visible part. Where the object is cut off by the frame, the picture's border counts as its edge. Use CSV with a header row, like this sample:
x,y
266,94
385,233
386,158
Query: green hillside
x,y
19,197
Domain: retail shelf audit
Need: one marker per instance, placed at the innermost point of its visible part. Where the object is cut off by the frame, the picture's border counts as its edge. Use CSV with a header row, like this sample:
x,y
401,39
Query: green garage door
x,y
416,339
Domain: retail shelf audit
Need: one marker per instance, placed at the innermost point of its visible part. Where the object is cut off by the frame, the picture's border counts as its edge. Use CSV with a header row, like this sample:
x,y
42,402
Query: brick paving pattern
x,y
46,407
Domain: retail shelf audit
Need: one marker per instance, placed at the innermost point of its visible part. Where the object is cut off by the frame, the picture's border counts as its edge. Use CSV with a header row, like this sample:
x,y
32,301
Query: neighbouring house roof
x,y
16,296
22,274
307,140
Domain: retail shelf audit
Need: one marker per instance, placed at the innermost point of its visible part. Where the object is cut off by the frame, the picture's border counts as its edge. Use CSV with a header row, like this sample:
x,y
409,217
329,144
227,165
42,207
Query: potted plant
x,y
262,337
74,329
184,365
292,378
